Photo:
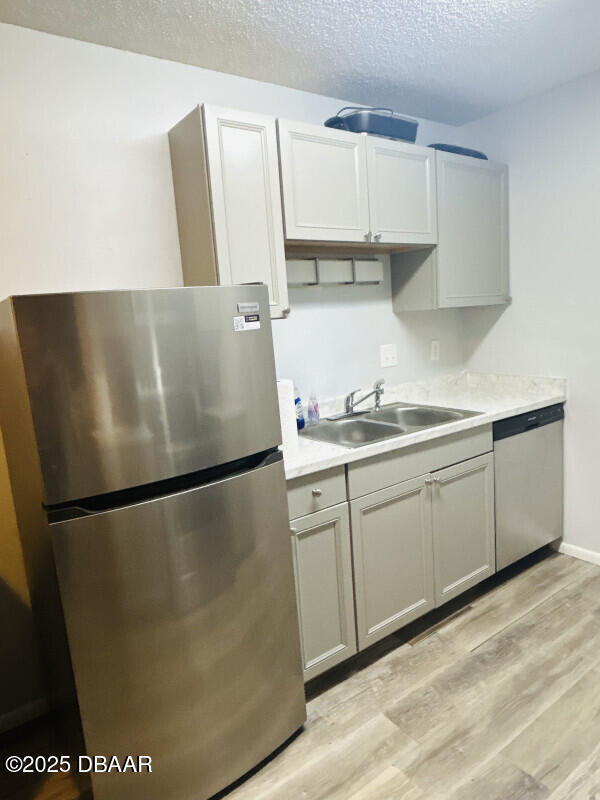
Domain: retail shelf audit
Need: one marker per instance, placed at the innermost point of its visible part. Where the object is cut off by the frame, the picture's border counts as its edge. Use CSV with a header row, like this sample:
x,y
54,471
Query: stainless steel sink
x,y
417,416
352,432
359,429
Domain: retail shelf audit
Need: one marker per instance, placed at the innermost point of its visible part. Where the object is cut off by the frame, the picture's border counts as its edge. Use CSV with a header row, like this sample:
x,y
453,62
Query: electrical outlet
x,y
388,355
435,350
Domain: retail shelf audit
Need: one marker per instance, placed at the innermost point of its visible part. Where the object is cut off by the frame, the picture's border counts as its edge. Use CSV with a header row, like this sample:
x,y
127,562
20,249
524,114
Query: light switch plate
x,y
435,350
388,355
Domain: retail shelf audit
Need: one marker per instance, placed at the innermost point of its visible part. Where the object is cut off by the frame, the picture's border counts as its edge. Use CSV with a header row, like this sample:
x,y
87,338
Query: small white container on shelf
x,y
335,270
301,271
368,270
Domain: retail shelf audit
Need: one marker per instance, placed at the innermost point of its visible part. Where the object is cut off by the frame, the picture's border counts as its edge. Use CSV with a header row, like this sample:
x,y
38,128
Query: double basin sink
x,y
365,427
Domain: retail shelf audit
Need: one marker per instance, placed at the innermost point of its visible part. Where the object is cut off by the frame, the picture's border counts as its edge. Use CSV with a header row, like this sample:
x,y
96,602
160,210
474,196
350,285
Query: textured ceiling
x,y
448,60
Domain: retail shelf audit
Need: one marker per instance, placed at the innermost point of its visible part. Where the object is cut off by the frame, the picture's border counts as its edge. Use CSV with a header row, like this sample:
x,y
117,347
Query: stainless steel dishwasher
x,y
528,469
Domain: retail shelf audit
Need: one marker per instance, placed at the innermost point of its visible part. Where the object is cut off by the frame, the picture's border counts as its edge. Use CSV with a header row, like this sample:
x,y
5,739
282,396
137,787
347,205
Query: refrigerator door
x,y
128,388
182,624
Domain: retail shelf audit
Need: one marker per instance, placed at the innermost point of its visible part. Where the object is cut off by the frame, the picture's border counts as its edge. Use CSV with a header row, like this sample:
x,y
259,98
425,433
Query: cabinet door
x,y
393,565
324,183
402,192
473,231
246,202
323,571
463,526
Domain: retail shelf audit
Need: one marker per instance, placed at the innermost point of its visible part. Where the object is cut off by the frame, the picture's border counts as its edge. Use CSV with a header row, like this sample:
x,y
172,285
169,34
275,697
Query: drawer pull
x,y
317,492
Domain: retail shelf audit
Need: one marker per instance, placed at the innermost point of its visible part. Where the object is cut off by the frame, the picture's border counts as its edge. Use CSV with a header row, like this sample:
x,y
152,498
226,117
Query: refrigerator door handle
x,y
87,506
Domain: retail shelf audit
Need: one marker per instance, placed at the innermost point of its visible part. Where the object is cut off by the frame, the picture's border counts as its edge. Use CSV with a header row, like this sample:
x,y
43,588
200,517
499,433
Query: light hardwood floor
x,y
494,697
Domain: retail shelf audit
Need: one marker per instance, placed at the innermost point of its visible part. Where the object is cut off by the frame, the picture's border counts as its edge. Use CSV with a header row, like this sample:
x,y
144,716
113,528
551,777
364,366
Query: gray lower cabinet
x,y
323,572
463,526
411,546
393,558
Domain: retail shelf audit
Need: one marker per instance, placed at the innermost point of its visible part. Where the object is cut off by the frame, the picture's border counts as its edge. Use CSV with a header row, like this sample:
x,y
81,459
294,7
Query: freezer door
x,y
182,624
128,388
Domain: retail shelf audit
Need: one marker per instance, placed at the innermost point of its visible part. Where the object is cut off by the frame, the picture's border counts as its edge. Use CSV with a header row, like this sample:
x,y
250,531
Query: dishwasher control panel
x,y
525,422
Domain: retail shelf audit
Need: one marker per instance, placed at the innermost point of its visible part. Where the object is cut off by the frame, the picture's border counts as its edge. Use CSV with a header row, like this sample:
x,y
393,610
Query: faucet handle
x,y
349,401
378,390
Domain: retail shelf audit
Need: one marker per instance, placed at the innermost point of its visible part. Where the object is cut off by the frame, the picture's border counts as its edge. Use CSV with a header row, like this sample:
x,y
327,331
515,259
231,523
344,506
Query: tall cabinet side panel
x,y
192,201
27,492
22,689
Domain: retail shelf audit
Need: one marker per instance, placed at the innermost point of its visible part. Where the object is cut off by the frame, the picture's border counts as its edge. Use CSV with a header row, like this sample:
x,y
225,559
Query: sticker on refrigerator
x,y
246,322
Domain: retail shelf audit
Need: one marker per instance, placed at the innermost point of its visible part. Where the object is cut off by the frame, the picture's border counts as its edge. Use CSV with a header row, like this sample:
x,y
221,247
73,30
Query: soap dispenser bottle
x,y
300,422
313,410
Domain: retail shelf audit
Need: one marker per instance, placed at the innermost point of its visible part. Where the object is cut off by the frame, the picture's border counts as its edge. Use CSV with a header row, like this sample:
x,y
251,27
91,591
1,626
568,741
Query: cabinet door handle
x,y
317,492
377,237
293,530
368,236
428,481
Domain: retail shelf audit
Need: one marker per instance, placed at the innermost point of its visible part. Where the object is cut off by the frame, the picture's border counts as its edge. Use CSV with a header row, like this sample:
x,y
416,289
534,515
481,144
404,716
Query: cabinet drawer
x,y
317,491
388,469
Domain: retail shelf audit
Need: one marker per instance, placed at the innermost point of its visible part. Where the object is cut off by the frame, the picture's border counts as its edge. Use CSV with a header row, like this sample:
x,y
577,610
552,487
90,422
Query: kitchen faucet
x,y
350,404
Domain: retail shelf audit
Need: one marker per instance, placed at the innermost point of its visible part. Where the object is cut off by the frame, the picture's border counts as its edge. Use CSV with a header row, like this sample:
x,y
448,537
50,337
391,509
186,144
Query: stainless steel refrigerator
x,y
143,427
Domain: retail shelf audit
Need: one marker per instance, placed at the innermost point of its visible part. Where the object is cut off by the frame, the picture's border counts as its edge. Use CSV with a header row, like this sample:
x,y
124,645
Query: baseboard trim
x,y
23,714
579,552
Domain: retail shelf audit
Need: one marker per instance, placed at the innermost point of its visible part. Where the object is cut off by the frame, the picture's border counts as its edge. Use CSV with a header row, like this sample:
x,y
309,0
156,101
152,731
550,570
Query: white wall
x,y
86,202
329,344
86,196
552,144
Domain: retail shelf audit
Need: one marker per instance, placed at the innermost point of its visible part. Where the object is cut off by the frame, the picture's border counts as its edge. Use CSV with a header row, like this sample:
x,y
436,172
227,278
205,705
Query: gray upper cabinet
x,y
227,196
323,571
402,192
463,526
324,183
393,558
469,267
473,226
347,187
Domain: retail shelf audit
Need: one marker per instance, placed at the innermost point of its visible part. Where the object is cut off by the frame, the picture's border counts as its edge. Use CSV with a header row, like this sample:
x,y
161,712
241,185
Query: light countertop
x,y
496,396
